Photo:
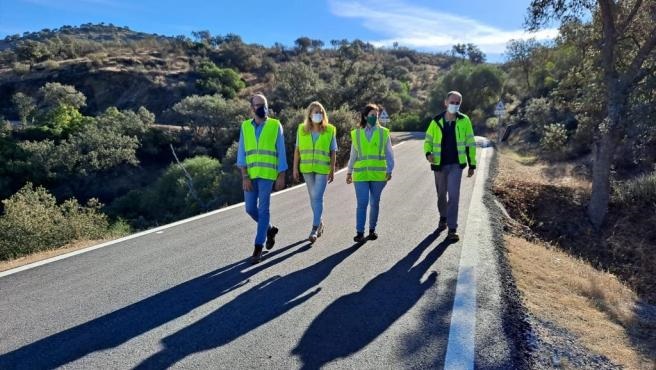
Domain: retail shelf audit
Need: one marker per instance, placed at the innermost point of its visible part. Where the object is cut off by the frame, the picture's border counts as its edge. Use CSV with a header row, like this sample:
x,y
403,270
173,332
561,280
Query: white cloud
x,y
424,28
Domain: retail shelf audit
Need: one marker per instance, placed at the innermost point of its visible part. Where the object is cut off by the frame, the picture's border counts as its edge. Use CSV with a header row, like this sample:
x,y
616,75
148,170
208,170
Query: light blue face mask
x,y
453,108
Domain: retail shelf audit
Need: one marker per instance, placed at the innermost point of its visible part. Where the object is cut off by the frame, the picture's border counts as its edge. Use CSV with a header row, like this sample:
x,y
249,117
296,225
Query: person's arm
x,y
428,142
295,168
351,163
389,155
470,146
241,163
282,159
470,149
333,157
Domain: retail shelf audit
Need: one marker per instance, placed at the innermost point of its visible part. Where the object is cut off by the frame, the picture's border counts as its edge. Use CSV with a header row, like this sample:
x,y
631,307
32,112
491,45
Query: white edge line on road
x,y
462,331
142,233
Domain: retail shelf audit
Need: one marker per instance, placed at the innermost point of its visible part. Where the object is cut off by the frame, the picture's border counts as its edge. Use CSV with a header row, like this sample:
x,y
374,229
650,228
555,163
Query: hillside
x,y
115,66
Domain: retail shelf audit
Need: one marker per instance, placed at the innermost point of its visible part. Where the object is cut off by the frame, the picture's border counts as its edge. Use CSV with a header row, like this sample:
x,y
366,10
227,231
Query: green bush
x,y
174,196
406,122
539,114
554,139
33,221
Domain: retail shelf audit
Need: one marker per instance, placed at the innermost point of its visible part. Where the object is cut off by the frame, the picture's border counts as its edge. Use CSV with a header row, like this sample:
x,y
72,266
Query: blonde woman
x,y
314,157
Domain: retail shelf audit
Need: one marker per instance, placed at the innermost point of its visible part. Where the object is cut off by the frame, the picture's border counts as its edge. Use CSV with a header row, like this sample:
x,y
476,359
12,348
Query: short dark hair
x,y
365,112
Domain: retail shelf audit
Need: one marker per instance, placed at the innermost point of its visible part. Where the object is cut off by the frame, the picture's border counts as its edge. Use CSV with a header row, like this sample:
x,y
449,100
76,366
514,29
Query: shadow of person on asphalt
x,y
120,326
251,309
353,321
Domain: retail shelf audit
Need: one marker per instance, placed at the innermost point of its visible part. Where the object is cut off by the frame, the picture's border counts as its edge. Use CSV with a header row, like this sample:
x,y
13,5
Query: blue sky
x,y
419,24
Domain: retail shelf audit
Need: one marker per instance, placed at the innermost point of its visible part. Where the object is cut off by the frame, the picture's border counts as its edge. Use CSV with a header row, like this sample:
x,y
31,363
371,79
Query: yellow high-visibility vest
x,y
261,154
371,160
315,155
464,139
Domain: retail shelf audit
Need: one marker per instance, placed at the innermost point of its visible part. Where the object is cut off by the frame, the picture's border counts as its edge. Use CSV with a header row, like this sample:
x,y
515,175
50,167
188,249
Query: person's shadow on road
x,y
353,321
118,327
248,311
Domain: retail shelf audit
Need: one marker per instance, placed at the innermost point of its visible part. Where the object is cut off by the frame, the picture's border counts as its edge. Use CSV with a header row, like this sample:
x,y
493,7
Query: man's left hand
x,y
470,172
280,181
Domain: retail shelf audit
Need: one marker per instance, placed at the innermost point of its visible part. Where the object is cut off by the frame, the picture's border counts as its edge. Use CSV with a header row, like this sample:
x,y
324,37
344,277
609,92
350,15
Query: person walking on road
x,y
369,168
449,147
262,160
314,157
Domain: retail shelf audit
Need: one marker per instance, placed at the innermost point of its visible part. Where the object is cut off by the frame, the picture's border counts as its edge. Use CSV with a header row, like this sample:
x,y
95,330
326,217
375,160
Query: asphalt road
x,y
187,297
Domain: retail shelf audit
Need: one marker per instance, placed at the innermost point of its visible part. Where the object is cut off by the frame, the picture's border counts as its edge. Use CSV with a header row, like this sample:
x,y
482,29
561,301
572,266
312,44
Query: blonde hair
x,y
308,117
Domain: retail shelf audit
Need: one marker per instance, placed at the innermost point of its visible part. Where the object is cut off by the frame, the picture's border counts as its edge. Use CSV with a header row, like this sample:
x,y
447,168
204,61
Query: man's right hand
x,y
246,184
429,158
296,176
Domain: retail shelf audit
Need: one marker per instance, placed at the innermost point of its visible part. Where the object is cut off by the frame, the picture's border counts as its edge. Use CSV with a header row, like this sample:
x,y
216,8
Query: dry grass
x,y
603,312
594,305
39,256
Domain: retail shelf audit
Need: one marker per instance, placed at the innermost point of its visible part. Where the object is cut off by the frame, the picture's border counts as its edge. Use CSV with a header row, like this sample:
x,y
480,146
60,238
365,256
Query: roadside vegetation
x,y
95,116
578,181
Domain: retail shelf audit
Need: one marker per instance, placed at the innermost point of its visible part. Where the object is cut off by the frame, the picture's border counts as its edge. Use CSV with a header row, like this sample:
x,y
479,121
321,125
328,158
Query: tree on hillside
x,y
54,94
303,44
480,85
296,85
225,81
621,23
459,50
204,37
475,54
25,106
519,53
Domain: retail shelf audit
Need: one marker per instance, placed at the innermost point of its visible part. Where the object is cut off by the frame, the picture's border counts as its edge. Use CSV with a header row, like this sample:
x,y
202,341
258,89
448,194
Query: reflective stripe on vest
x,y
371,162
315,156
261,154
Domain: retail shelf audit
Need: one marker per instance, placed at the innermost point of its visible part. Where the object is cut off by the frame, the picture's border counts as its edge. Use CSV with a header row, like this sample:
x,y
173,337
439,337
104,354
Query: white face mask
x,y
453,108
317,117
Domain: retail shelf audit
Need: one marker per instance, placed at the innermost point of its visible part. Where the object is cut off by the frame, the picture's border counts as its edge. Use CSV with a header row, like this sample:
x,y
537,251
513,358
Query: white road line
x,y
462,332
140,234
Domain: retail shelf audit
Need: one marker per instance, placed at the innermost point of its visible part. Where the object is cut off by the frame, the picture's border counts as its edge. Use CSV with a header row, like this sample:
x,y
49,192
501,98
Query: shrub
x,y
640,190
554,139
34,222
21,68
539,114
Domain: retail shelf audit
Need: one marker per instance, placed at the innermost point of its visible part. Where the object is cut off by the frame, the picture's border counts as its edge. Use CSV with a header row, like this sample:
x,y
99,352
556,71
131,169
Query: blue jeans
x,y
364,190
257,206
316,185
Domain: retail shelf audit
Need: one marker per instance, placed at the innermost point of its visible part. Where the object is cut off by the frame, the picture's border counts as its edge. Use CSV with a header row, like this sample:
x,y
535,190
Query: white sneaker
x,y
313,234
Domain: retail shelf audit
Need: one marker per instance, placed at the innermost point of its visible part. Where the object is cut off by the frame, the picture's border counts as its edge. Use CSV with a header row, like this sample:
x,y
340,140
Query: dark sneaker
x,y
271,237
257,254
452,236
372,235
359,238
441,226
320,229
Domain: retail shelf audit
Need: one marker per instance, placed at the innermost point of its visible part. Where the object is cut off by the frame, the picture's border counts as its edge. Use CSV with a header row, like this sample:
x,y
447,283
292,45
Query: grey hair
x,y
260,95
453,92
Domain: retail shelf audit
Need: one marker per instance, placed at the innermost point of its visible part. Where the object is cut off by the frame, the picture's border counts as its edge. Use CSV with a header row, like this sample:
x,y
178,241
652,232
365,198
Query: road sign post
x,y
500,112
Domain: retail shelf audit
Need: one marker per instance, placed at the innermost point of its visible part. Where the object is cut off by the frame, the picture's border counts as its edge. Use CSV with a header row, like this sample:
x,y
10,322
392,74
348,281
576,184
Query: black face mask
x,y
261,111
